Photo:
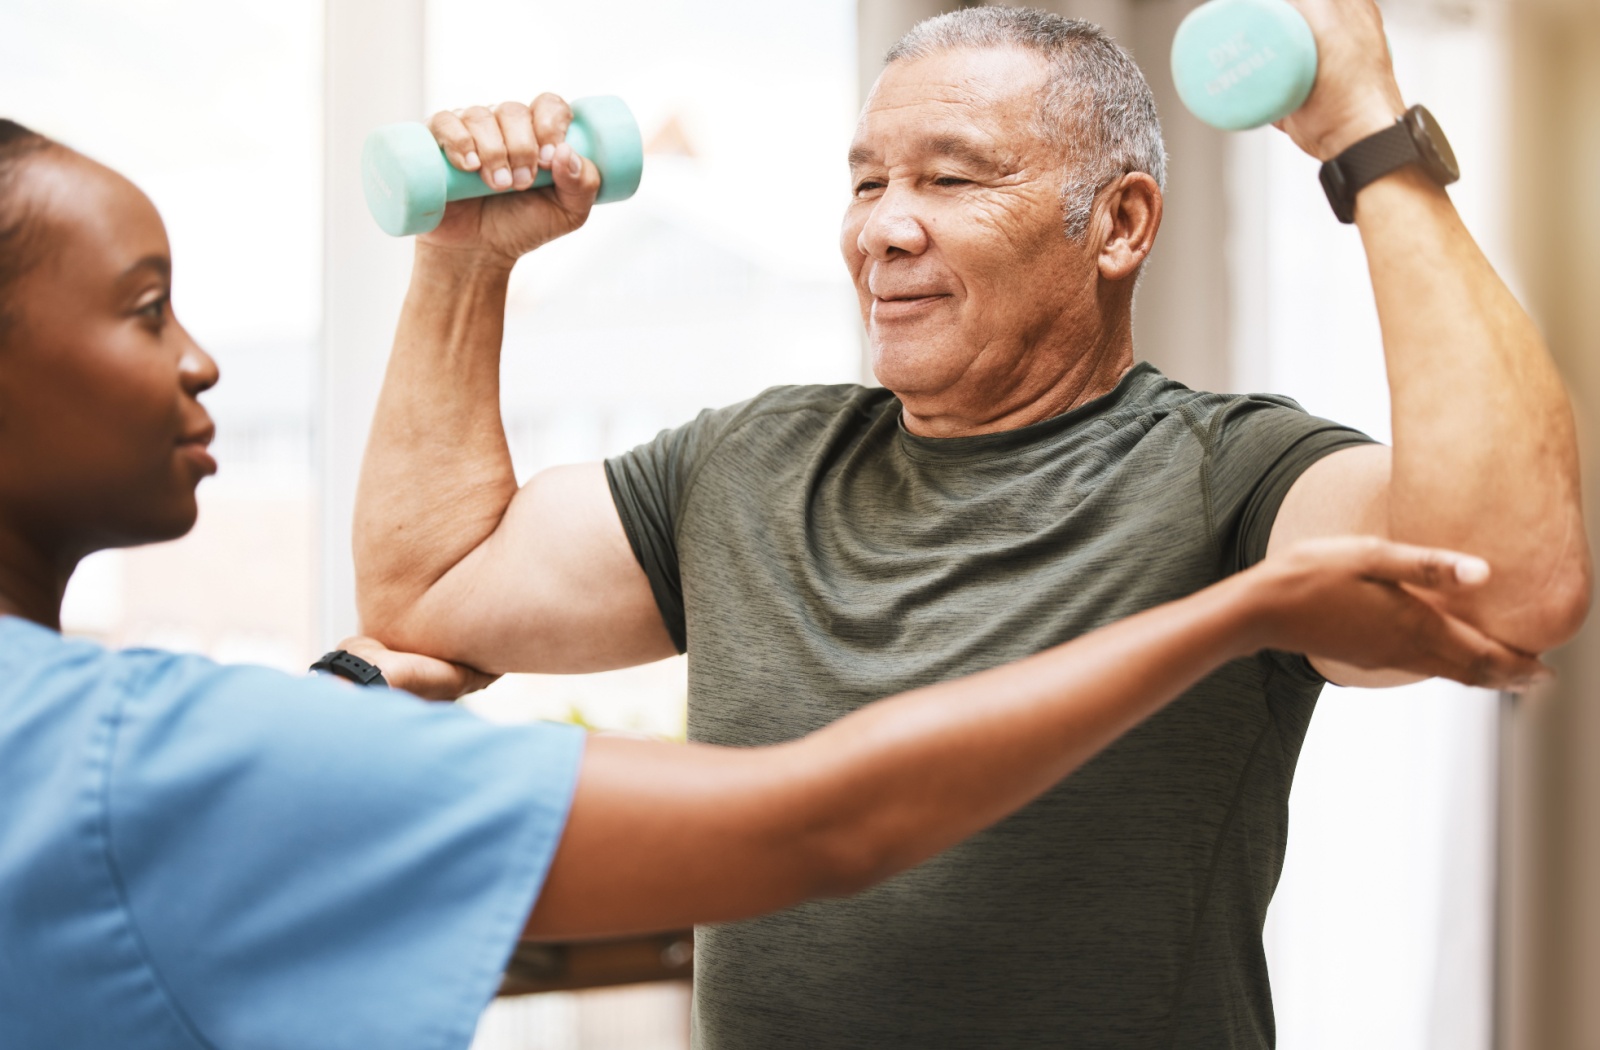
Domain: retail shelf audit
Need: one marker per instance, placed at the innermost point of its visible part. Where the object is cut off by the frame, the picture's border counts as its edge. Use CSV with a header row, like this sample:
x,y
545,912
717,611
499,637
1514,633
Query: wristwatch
x,y
1415,138
352,667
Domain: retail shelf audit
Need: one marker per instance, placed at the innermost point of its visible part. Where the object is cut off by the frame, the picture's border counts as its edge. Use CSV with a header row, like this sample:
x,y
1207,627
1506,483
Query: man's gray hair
x,y
1096,104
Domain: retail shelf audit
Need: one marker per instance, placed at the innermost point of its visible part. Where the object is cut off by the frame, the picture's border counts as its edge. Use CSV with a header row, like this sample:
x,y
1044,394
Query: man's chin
x,y
907,365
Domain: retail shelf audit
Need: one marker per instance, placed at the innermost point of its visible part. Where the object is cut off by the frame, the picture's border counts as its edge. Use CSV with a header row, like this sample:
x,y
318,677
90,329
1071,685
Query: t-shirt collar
x,y
1003,441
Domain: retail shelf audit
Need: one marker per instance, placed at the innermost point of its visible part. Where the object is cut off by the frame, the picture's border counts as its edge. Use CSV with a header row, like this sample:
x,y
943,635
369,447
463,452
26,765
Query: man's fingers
x,y
577,181
456,141
522,147
490,145
551,118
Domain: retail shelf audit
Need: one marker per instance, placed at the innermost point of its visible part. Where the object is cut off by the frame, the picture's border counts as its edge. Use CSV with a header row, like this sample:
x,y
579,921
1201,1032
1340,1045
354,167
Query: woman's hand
x,y
1375,604
419,675
507,145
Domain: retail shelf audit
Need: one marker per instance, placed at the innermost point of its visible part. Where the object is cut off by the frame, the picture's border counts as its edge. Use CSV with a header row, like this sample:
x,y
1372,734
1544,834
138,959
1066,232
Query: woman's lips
x,y
194,449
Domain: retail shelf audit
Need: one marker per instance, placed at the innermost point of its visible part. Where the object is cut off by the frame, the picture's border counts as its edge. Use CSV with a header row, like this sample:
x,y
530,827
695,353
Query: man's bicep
x,y
1345,493
1342,494
556,587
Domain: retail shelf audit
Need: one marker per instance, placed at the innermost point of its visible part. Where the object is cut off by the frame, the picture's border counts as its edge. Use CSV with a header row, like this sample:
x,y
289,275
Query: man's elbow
x,y
1549,614
1568,605
398,619
381,613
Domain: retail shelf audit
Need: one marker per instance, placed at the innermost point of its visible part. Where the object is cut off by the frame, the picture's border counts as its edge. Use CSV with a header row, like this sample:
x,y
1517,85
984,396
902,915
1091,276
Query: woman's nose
x,y
196,369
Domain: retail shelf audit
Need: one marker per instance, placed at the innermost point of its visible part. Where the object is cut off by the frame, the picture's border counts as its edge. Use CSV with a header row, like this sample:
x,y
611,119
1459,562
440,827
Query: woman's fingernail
x,y
502,177
1471,570
575,164
545,153
472,160
522,176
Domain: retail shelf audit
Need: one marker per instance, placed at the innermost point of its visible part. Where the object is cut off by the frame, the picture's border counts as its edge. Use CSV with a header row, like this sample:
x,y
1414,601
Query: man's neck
x,y
1044,392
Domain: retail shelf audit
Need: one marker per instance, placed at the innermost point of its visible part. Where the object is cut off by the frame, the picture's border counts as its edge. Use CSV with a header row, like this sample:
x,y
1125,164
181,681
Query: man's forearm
x,y
1485,455
437,475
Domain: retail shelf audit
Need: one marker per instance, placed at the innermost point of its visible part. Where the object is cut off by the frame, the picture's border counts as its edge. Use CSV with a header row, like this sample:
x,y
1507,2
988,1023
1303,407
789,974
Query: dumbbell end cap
x,y
1240,64
403,180
617,148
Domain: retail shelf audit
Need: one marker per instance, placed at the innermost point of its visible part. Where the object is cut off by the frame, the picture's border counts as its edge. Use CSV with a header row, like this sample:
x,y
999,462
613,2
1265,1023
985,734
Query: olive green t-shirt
x,y
812,556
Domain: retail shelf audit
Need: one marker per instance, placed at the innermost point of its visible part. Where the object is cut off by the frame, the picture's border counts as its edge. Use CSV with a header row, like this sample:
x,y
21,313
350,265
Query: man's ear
x,y
1130,216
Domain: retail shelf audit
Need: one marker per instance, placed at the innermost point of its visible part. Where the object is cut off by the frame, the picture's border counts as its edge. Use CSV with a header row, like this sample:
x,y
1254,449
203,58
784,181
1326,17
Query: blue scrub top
x,y
196,856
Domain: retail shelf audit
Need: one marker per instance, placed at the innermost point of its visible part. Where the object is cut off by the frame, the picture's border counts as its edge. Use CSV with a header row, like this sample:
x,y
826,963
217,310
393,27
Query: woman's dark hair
x,y
17,143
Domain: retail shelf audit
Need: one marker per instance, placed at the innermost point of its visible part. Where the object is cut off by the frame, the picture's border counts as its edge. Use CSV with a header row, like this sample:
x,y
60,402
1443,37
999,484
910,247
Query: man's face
x,y
954,234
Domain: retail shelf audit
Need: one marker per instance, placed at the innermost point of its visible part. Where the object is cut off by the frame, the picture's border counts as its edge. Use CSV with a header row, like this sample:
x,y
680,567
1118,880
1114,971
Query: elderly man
x,y
1018,480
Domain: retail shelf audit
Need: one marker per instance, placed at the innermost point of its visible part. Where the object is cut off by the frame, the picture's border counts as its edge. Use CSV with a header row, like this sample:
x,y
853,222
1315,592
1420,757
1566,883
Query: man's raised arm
x,y
452,559
1485,457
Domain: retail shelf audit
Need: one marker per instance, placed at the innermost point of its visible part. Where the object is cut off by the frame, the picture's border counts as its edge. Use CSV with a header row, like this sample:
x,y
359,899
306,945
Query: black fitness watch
x,y
1415,138
352,667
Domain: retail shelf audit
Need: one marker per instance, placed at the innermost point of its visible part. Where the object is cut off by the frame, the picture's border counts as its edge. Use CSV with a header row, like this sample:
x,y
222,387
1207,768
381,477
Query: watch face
x,y
1437,155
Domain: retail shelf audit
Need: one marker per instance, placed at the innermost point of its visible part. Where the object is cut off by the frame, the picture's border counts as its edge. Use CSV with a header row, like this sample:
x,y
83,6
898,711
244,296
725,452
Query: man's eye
x,y
867,186
950,180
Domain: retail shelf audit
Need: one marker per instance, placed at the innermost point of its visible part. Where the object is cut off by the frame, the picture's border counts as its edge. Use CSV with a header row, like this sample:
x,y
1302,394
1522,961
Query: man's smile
x,y
904,307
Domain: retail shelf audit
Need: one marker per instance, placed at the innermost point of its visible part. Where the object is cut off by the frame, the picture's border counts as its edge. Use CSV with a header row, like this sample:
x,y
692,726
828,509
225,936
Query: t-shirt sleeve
x,y
310,864
649,485
1260,445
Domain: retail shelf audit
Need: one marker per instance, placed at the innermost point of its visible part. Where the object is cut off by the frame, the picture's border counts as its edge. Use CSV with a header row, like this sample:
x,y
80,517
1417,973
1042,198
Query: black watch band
x,y
1414,138
351,667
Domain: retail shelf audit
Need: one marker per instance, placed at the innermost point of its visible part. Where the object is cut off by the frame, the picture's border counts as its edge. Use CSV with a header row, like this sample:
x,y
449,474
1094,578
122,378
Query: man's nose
x,y
893,227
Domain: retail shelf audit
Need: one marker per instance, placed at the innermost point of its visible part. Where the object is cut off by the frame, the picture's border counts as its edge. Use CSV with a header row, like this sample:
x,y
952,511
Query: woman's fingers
x,y
1429,567
1376,604
424,676
1471,657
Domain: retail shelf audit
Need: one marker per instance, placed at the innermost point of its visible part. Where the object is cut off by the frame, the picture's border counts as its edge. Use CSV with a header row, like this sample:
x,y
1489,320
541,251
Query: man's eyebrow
x,y
159,264
952,146
960,149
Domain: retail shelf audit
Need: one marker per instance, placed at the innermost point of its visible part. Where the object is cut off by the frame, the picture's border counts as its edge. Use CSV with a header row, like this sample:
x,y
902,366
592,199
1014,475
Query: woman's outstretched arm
x,y
665,835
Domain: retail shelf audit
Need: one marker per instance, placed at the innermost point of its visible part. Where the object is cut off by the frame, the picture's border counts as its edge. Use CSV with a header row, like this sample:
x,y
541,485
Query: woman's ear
x,y
1131,216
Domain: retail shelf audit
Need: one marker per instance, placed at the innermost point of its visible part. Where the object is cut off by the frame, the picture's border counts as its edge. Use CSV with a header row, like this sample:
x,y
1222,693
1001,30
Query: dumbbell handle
x,y
408,180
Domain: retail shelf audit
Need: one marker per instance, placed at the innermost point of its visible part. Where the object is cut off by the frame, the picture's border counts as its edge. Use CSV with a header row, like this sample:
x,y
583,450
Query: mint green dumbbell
x,y
408,180
1243,63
